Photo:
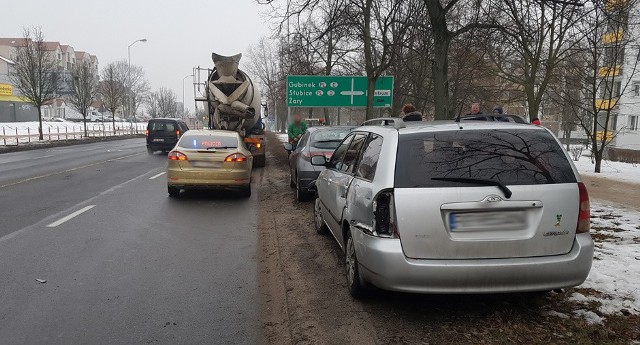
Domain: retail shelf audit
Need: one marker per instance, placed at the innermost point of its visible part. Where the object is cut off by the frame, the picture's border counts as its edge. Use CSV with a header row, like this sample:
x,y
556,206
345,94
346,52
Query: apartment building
x,y
13,107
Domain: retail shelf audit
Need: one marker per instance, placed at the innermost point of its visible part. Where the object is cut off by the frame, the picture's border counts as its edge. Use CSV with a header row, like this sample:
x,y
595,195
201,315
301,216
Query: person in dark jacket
x,y
497,110
410,113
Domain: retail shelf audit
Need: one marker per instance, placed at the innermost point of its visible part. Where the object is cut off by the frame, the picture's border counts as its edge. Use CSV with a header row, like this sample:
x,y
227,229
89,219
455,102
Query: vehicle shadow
x,y
211,195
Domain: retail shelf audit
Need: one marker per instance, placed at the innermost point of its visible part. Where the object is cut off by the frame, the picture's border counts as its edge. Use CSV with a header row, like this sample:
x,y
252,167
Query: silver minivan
x,y
447,207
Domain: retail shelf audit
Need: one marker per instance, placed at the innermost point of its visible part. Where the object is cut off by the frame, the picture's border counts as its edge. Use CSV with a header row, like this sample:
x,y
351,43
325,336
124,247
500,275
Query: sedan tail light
x,y
236,157
584,210
176,156
146,132
327,154
384,215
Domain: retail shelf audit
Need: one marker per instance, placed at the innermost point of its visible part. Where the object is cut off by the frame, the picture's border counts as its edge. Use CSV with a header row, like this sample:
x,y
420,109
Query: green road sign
x,y
336,91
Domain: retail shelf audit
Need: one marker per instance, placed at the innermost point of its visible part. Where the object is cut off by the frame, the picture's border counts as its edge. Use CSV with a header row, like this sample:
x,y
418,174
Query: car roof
x,y
446,125
216,132
323,128
165,119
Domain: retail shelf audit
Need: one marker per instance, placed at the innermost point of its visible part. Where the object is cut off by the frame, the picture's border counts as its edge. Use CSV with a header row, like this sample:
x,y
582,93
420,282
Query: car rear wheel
x,y
150,150
246,191
300,194
321,227
174,192
355,283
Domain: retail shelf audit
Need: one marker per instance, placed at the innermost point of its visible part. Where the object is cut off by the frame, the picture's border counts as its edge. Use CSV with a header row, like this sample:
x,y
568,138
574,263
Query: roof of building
x,y
13,42
49,46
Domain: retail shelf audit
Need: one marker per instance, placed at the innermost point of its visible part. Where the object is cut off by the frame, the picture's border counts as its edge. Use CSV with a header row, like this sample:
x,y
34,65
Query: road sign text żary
x,y
337,91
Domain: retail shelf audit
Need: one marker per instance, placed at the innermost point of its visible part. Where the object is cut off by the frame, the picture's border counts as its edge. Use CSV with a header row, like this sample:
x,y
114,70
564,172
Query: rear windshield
x,y
162,126
208,141
328,139
513,157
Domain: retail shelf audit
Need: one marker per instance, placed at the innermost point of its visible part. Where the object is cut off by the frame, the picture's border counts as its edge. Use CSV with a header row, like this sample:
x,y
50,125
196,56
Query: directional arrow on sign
x,y
352,92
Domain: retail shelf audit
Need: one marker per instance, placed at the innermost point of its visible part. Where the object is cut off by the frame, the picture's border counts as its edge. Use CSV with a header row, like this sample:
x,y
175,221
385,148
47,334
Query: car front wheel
x,y
321,227
354,281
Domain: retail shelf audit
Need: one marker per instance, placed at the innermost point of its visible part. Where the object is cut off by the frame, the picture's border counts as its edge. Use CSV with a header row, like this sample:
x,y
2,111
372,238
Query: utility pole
x,y
183,79
129,103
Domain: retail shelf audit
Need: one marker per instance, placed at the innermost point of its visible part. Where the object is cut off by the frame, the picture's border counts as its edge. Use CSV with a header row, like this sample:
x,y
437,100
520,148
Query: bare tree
x,y
166,102
152,104
112,89
85,87
35,71
608,68
264,65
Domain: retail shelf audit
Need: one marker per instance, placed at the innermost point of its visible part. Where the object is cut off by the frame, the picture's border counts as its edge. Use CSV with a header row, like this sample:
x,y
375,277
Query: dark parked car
x,y
163,134
316,141
494,117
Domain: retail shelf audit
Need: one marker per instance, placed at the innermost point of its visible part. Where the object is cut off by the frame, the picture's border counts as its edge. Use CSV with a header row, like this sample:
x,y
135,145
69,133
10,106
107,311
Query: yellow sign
x,y
600,135
6,90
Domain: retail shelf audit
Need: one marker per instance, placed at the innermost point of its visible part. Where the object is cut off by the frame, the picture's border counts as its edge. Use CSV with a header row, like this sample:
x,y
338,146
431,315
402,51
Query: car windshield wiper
x,y
507,192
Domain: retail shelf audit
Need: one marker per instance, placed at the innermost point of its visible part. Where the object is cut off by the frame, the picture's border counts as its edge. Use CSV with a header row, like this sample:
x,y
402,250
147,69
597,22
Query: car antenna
x,y
458,121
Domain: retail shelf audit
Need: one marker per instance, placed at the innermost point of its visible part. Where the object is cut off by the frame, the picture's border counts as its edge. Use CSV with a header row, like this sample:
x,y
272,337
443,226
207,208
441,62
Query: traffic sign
x,y
337,91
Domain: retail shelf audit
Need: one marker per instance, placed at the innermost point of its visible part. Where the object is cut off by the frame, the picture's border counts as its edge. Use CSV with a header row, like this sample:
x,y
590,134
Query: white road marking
x,y
156,176
71,216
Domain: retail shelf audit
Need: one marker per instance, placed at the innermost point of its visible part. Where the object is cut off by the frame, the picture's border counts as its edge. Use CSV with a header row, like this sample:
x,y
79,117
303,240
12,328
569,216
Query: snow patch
x,y
557,314
619,171
591,317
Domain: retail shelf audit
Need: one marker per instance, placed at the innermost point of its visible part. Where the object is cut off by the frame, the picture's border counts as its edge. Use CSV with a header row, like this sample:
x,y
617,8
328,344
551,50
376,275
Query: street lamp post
x,y
129,103
183,79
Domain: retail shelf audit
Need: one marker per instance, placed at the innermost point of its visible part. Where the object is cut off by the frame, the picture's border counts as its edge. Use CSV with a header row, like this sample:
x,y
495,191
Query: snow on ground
x,y
626,172
12,133
615,273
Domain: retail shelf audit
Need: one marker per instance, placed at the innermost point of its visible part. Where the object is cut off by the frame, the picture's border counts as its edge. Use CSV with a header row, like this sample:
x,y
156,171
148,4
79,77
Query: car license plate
x,y
483,221
158,140
198,164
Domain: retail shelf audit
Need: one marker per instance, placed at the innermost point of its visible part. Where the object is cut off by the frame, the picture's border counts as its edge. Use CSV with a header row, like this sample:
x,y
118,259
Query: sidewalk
x,y
621,193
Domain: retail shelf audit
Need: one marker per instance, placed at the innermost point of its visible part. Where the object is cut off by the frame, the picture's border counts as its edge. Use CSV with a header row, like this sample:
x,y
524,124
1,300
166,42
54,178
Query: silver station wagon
x,y
448,207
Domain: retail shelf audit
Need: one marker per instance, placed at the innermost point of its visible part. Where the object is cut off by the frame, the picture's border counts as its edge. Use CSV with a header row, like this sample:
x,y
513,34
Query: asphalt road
x,y
123,263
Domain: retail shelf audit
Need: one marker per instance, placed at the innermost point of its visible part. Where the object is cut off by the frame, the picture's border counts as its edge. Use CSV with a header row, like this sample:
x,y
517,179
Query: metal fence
x,y
12,136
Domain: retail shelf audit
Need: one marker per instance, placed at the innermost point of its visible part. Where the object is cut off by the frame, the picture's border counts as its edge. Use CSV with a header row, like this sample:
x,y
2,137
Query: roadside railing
x,y
16,135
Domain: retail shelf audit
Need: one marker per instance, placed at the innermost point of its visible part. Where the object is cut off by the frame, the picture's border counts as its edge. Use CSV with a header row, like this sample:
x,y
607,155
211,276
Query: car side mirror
x,y
288,147
319,161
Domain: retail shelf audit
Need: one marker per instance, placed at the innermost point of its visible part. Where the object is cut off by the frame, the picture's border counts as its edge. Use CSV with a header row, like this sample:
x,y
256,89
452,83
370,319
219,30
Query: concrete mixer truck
x,y
232,102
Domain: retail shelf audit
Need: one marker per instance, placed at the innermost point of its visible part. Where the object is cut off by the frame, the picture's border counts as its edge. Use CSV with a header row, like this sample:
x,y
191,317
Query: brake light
x,y
384,216
258,145
236,157
178,134
177,156
584,210
146,133
311,154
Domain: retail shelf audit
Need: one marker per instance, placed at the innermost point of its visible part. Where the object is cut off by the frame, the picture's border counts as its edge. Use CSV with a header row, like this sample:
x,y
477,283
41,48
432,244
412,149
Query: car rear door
x,y
163,132
452,219
340,178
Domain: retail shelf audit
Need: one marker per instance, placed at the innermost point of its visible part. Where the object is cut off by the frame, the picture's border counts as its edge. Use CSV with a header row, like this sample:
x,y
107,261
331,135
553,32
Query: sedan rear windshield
x,y
511,157
328,139
162,126
198,142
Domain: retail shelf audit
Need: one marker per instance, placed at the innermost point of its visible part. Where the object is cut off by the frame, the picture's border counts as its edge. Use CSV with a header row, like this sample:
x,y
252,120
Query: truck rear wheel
x,y
259,161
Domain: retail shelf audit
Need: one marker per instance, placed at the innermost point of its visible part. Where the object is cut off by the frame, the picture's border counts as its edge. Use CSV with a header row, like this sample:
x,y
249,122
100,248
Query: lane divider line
x,y
70,216
66,171
156,176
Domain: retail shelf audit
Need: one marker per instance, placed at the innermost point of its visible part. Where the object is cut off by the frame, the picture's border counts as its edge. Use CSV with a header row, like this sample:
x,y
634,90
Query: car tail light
x,y
584,210
178,134
177,156
327,154
384,215
236,157
146,132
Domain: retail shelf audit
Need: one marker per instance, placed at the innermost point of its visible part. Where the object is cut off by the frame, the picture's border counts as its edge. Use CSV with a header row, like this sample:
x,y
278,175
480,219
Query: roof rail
x,y
396,122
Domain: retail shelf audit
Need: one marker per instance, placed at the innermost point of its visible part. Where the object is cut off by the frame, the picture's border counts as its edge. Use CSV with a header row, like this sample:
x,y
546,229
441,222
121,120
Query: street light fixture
x,y
183,79
129,103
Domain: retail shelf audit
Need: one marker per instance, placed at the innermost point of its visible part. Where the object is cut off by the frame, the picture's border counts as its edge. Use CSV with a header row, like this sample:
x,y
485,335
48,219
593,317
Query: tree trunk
x,y
598,158
40,136
371,88
567,138
113,121
440,76
84,116
327,119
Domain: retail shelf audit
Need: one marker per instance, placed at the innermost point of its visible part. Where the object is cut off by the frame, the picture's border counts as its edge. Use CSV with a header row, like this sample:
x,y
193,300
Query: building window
x,y
633,123
636,89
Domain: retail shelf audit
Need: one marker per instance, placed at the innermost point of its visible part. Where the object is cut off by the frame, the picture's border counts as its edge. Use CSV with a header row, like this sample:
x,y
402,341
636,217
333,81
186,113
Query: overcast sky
x,y
181,33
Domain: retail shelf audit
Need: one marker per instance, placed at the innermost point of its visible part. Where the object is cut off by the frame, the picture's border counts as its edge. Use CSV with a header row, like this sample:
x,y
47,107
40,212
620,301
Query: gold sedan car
x,y
209,159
